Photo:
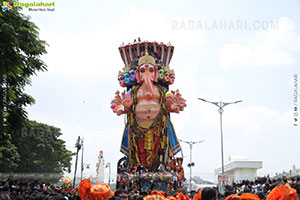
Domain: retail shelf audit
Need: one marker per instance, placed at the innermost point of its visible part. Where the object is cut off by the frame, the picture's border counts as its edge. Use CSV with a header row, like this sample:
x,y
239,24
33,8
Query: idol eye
x,y
142,70
151,69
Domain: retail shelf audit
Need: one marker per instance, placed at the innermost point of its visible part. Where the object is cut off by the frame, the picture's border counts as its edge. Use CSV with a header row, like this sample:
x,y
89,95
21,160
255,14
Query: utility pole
x,y
82,166
78,146
191,164
220,105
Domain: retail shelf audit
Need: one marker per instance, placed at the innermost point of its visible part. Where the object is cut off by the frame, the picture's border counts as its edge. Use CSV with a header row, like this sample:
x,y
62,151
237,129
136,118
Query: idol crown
x,y
161,52
147,59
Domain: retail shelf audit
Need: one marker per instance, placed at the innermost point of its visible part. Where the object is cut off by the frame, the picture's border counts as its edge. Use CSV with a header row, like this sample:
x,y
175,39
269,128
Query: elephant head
x,y
147,73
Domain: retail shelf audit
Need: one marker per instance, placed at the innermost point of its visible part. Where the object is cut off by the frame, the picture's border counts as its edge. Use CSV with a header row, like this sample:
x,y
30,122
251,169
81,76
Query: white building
x,y
295,171
238,170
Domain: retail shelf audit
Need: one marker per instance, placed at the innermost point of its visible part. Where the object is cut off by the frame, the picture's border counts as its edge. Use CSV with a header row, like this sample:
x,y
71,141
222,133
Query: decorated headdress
x,y
124,70
172,71
146,60
159,51
167,69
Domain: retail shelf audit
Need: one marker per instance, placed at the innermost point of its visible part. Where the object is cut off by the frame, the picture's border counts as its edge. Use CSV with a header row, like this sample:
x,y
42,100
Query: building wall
x,y
244,174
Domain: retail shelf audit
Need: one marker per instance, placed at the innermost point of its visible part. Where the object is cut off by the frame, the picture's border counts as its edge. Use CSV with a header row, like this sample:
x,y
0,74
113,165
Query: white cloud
x,y
268,48
97,52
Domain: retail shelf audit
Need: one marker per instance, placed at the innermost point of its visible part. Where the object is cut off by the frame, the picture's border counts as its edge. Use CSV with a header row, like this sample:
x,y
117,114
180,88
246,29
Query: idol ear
x,y
137,75
156,73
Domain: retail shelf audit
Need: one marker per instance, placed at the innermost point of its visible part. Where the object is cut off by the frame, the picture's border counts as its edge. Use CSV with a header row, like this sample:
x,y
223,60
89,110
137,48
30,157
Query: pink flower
x,y
128,100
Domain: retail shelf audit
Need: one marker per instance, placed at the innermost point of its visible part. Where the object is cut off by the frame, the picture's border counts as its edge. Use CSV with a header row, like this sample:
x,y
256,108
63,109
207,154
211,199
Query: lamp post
x,y
191,164
109,171
78,146
82,166
220,105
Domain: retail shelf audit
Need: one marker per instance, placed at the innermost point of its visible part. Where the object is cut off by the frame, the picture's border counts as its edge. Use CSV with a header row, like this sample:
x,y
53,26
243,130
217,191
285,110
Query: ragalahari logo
x,y
6,6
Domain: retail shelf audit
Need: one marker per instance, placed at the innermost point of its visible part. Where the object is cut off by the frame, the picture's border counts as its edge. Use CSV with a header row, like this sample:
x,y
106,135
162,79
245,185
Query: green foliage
x,y
20,52
41,150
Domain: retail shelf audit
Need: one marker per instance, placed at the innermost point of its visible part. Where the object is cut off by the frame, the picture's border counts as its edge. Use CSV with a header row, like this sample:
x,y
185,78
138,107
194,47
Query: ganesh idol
x,y
149,137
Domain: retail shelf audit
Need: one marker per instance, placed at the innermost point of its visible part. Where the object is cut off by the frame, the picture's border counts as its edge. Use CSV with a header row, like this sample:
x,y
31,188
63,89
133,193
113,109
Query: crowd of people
x,y
261,187
21,190
140,178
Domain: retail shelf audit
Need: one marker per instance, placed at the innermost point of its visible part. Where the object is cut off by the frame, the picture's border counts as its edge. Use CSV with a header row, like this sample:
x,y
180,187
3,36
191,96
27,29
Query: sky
x,y
229,50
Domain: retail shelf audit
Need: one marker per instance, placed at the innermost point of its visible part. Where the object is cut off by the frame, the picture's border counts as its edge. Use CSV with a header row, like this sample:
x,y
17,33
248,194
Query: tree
x,y
20,51
41,150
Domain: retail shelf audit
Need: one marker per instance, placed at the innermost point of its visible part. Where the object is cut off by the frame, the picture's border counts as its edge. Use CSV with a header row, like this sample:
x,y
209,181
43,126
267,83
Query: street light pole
x,y
82,166
191,164
78,146
109,171
220,105
222,150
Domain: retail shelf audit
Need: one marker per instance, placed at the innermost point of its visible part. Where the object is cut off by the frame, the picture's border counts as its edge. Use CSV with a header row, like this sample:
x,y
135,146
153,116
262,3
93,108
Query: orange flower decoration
x,y
84,189
128,100
154,197
181,196
155,192
93,192
99,191
171,198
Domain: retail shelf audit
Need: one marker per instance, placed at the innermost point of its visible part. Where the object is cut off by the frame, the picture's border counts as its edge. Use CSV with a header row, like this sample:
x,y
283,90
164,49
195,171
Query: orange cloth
x,y
249,196
198,195
171,198
283,192
98,191
244,196
233,197
84,189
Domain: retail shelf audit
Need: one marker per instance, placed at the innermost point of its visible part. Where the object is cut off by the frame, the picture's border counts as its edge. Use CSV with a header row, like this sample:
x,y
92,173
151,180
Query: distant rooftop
x,y
241,164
